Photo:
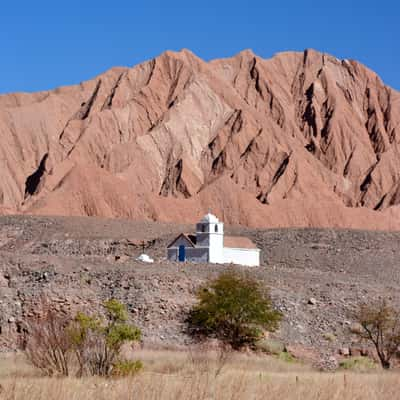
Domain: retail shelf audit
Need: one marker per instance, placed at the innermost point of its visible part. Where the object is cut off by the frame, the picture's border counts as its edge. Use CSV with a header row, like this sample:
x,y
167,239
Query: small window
x,y
203,228
216,228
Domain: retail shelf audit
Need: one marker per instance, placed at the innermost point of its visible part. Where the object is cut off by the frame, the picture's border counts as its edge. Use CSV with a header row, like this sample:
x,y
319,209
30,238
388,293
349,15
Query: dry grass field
x,y
175,375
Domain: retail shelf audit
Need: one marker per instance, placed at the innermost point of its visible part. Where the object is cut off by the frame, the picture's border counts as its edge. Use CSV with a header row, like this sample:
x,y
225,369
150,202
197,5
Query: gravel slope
x,y
78,262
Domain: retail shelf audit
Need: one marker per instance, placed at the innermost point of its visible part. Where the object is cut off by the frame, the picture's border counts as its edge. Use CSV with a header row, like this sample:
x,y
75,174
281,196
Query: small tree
x,y
46,341
381,326
98,342
233,308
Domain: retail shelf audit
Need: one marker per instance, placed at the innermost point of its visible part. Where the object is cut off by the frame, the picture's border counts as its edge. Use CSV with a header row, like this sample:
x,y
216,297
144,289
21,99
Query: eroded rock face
x,y
302,139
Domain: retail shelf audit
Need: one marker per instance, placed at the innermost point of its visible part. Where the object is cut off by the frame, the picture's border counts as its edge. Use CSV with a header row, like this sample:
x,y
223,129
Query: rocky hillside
x,y
301,139
318,277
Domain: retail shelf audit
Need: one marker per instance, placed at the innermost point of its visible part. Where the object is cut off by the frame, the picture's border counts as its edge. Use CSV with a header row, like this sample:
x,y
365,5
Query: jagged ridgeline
x,y
301,139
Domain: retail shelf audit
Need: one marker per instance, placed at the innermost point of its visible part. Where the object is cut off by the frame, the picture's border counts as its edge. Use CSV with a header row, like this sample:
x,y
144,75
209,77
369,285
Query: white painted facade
x,y
207,245
249,257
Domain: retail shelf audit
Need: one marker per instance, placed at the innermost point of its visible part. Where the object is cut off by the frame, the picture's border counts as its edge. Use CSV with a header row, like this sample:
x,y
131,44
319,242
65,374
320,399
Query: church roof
x,y
188,236
238,242
210,218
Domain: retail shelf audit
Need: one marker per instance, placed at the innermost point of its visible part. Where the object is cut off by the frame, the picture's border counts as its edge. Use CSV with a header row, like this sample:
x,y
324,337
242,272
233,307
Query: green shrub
x,y
360,364
97,342
233,308
124,368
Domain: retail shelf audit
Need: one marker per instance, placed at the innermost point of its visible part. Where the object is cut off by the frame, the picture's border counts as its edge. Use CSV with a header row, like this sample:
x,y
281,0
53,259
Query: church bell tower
x,y
210,234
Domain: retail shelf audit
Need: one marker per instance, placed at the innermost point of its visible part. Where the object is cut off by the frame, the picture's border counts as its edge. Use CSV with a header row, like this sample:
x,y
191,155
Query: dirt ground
x,y
318,277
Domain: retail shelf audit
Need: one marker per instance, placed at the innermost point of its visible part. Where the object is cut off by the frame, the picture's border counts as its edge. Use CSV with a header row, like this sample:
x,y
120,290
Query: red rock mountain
x,y
301,139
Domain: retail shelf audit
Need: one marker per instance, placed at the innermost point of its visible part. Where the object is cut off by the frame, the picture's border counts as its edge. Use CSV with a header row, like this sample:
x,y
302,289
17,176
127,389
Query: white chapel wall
x,y
216,245
249,257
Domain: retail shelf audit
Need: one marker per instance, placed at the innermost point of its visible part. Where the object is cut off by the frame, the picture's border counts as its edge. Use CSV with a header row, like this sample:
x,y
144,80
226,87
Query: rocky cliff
x,y
301,139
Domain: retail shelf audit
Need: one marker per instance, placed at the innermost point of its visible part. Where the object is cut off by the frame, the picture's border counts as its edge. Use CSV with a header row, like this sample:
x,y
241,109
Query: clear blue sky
x,y
49,43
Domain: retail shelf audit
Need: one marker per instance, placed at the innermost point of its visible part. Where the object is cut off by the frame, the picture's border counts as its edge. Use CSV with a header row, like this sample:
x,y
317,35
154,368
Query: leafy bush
x,y
233,308
97,342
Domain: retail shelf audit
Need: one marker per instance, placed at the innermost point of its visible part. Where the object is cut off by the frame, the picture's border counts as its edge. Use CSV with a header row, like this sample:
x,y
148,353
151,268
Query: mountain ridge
x,y
301,139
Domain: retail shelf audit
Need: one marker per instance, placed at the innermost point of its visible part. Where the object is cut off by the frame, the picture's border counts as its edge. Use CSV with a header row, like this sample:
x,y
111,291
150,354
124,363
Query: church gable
x,y
183,240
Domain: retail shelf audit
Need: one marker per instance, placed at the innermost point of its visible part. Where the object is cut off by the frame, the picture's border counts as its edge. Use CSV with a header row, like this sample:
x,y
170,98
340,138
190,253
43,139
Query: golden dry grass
x,y
174,375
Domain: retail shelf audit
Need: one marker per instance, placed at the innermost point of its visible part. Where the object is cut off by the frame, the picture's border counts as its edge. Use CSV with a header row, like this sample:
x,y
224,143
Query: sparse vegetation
x,y
235,309
55,343
243,377
207,359
270,346
46,341
286,356
359,364
125,368
97,342
381,327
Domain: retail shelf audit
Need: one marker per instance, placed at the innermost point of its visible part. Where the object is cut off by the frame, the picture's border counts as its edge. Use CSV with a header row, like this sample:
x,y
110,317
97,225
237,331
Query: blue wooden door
x,y
181,253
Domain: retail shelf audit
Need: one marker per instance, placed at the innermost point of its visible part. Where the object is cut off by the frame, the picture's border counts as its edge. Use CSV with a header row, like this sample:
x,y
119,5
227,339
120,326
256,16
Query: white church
x,y
209,245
